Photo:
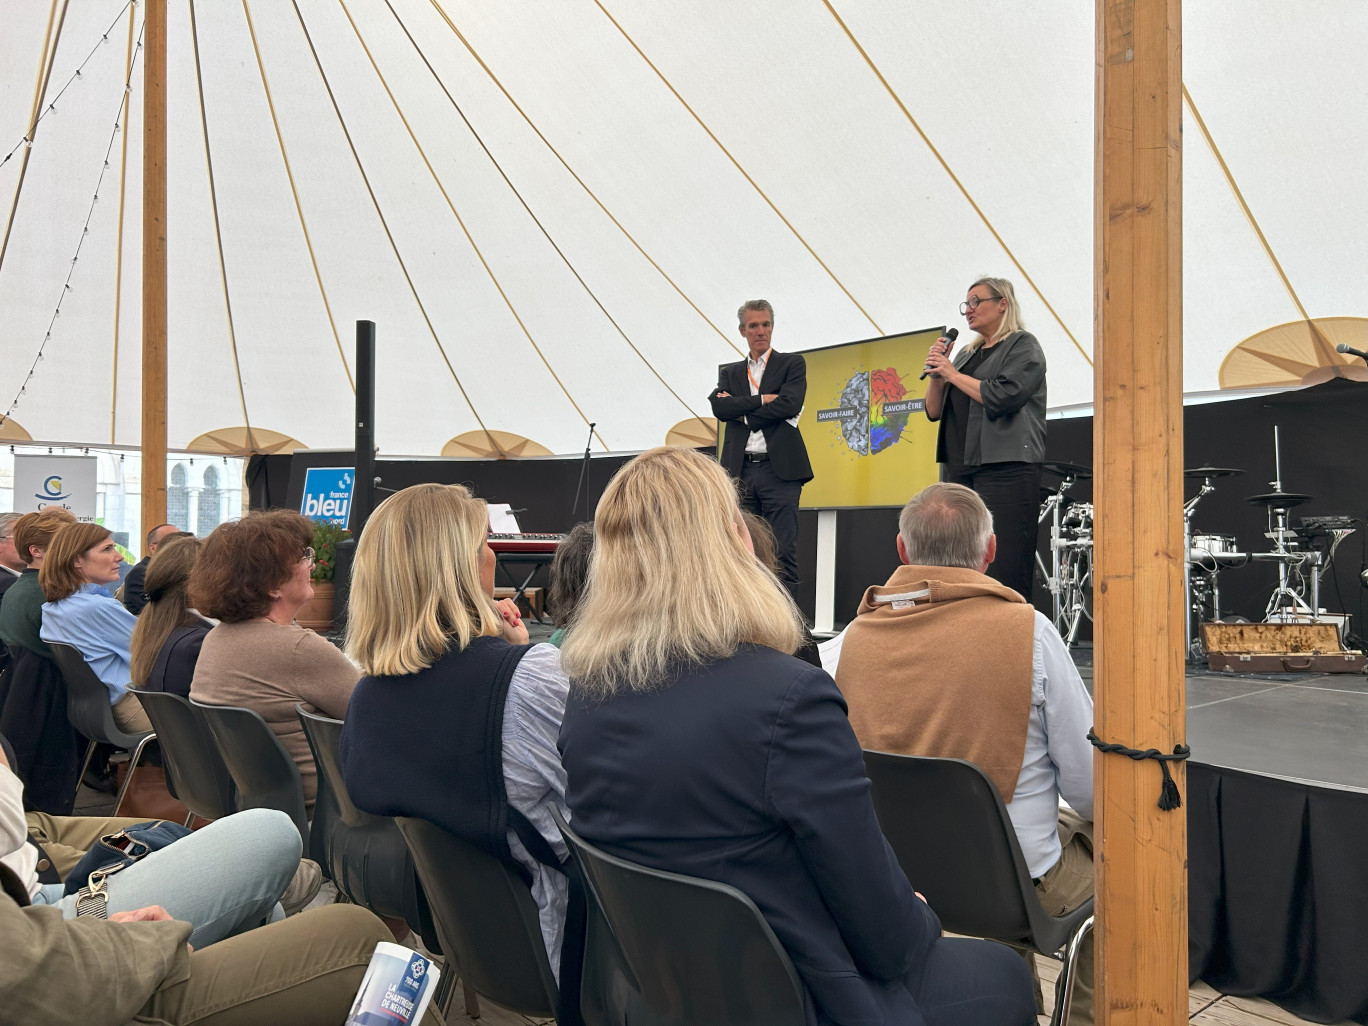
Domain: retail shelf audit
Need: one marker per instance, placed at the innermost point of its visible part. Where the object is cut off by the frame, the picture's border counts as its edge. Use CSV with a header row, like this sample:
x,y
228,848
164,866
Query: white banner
x,y
67,481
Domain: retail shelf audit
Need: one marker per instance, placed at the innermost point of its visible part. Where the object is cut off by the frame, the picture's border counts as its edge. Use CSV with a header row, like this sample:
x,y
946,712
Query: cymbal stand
x,y
1286,601
1053,507
1194,609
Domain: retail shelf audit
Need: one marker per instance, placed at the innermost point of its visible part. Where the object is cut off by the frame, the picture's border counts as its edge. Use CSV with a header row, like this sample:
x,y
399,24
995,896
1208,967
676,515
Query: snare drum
x,y
1213,549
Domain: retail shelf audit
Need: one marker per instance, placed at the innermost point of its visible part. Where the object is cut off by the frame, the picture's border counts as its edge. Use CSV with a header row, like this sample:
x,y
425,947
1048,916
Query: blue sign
x,y
328,494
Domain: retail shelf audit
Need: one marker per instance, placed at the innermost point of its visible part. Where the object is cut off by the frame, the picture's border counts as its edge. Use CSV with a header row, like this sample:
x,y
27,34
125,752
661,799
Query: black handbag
x,y
113,852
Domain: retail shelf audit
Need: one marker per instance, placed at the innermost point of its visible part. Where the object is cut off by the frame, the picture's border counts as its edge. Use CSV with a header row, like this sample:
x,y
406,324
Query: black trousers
x,y
1011,491
766,494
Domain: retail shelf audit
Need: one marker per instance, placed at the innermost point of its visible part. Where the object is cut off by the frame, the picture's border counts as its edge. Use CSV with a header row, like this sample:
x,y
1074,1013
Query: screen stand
x,y
824,606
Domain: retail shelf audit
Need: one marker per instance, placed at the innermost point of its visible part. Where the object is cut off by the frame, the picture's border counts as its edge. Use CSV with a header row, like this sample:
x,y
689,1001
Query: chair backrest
x,y
88,706
324,735
485,917
193,764
952,835
699,951
262,770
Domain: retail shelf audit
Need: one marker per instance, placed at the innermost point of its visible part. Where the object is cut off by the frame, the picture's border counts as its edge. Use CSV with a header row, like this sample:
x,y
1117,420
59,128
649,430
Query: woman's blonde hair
x,y
59,577
1011,317
416,588
671,584
168,606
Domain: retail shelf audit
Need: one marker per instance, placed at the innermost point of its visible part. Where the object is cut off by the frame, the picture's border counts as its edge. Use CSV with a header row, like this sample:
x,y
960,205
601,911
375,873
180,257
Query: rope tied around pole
x,y
1169,798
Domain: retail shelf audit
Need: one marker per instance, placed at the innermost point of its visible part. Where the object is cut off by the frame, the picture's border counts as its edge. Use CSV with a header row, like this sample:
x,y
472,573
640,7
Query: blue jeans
x,y
224,878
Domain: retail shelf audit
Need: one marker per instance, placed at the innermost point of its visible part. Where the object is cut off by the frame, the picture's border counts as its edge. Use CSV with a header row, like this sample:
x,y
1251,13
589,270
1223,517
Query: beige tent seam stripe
x,y
218,229
464,229
578,180
294,191
536,220
118,232
375,202
40,85
955,178
1325,349
737,164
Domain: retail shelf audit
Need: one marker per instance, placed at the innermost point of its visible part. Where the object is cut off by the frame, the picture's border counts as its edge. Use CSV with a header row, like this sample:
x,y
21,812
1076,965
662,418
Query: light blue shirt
x,y
95,622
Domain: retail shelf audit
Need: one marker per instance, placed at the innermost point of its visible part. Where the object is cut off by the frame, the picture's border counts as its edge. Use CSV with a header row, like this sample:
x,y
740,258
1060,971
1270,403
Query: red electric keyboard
x,y
528,542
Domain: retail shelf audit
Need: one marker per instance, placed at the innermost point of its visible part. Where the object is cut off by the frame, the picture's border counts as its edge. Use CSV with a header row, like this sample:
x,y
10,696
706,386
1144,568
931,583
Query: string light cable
x,y
27,138
85,230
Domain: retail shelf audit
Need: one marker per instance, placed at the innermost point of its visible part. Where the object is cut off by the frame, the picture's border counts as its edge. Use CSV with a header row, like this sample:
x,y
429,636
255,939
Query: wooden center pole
x,y
154,267
1142,954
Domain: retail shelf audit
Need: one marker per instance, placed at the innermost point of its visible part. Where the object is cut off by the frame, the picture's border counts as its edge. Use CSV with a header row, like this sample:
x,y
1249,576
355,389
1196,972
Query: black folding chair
x,y
486,919
263,772
89,711
195,770
367,857
699,953
953,838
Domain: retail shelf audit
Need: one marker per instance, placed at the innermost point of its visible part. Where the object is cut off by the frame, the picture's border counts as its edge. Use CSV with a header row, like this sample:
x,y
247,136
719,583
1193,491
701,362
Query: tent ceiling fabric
x,y
570,243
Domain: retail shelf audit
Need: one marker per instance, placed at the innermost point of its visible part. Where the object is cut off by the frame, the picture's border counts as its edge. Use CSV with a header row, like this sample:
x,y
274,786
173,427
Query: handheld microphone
x,y
1342,348
950,337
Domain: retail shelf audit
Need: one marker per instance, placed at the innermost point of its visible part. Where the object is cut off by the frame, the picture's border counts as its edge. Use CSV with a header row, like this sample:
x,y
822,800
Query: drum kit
x,y
1302,554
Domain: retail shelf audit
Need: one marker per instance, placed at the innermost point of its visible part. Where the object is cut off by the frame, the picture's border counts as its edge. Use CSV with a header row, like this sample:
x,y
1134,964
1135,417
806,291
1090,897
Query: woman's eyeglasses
x,y
309,555
974,301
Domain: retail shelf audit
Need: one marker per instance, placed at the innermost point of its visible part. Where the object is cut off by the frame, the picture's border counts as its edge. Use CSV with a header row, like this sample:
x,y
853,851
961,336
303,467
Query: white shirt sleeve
x,y
1067,709
15,851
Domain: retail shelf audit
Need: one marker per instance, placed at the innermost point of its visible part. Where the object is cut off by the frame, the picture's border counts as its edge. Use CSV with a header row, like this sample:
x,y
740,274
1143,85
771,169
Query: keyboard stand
x,y
536,560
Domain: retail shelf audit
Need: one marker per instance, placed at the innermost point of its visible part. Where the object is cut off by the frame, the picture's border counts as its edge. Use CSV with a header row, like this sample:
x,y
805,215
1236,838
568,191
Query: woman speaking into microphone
x,y
990,401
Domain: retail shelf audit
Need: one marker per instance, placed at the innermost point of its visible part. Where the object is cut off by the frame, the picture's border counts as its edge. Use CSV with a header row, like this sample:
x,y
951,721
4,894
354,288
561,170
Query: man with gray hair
x,y
759,399
944,661
11,563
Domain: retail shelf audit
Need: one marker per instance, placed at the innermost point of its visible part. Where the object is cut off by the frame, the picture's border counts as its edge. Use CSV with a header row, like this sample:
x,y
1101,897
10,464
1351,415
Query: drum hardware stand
x,y
1196,592
1053,508
1286,602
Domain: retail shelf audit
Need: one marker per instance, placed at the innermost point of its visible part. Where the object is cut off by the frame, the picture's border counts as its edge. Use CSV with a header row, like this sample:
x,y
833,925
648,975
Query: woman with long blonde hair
x,y
990,401
455,720
693,743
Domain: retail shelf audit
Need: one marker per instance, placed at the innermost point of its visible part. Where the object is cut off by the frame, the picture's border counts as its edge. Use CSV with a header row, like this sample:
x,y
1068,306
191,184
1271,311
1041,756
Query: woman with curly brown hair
x,y
253,576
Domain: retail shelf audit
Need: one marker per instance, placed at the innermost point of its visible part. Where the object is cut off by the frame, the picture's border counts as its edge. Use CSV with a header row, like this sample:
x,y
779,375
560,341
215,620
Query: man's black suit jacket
x,y
786,377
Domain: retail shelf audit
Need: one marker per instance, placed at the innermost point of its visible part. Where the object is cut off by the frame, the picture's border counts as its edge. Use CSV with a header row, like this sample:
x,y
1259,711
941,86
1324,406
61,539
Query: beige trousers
x,y
1066,885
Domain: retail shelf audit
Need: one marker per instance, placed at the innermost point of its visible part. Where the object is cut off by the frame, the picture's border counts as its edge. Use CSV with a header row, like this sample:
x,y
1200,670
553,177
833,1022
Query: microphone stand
x,y
583,477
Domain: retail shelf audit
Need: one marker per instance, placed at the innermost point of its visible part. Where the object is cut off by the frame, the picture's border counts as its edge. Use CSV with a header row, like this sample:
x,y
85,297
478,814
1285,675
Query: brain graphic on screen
x,y
884,429
855,429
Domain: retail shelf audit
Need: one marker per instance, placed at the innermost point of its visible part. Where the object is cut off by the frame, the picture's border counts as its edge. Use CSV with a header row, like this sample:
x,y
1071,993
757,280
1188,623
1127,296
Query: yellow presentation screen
x,y
864,422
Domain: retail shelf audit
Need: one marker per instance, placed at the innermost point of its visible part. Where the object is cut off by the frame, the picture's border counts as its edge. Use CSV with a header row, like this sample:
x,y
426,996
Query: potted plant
x,y
317,613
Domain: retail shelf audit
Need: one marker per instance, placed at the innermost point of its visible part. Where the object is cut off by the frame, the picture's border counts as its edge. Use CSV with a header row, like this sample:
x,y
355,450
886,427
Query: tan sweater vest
x,y
938,663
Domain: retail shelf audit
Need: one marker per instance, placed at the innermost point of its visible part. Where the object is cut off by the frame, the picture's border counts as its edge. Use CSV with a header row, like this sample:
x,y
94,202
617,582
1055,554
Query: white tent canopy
x,y
553,209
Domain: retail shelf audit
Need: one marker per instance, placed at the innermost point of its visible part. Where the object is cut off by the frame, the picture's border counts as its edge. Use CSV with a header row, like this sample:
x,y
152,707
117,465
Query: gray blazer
x,y
1009,425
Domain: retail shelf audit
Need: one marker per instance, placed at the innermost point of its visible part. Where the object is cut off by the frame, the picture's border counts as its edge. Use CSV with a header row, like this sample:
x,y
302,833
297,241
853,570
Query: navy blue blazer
x,y
746,771
786,377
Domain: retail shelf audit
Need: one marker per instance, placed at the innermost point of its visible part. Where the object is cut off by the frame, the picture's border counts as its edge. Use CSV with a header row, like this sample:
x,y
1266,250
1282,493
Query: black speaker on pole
x,y
363,490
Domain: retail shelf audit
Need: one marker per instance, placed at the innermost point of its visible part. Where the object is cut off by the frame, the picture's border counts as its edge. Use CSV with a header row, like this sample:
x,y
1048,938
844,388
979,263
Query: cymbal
x,y
1279,500
1212,472
1062,469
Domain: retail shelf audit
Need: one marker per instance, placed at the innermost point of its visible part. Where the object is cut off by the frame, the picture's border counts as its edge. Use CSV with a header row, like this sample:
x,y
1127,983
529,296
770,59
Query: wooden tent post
x,y
1142,954
154,268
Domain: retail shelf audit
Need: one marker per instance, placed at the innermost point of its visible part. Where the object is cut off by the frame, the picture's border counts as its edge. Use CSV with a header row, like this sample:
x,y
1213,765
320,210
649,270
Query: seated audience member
x,y
137,967
81,560
224,878
169,633
693,743
762,544
11,563
134,590
21,608
920,681
569,577
456,719
253,575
